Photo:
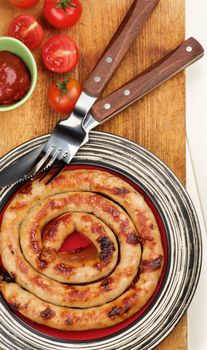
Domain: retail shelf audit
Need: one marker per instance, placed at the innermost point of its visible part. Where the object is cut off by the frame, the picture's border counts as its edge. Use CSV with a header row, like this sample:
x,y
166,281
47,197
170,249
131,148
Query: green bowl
x,y
17,47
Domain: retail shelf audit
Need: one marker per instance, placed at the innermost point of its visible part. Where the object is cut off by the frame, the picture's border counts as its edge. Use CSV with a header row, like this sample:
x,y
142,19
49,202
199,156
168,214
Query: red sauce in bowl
x,y
15,78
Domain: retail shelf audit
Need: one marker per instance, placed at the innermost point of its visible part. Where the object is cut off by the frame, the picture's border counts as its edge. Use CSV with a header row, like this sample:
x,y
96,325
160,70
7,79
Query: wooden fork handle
x,y
118,46
180,58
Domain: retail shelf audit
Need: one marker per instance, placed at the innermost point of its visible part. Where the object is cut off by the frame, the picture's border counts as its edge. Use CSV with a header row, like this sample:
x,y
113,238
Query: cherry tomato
x,y
62,13
26,29
60,54
63,95
24,4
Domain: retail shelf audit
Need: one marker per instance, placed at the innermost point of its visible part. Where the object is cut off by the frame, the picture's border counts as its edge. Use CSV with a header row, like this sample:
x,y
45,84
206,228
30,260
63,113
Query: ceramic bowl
x,y
17,47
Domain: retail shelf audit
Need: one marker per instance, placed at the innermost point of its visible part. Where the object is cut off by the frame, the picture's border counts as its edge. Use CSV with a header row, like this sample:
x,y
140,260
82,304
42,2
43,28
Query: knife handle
x,y
180,58
118,46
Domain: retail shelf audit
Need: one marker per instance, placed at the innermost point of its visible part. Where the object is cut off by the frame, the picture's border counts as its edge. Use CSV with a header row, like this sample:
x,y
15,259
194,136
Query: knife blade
x,y
16,169
15,172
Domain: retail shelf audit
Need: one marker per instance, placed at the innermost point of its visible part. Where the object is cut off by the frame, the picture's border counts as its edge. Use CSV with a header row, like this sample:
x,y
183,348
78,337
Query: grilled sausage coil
x,y
55,288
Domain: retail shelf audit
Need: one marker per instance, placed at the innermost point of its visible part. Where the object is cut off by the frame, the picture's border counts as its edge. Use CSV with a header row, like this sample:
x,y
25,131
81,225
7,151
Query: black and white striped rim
x,y
183,238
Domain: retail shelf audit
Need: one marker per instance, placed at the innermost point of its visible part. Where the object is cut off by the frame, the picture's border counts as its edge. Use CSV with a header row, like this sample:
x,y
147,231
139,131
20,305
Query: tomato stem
x,y
62,85
64,3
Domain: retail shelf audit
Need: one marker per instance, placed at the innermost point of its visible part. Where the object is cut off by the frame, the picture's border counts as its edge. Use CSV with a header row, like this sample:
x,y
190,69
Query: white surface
x,y
197,322
196,93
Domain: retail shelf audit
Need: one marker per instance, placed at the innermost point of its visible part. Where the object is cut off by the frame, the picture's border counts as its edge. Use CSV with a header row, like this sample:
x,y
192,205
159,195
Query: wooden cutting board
x,y
157,122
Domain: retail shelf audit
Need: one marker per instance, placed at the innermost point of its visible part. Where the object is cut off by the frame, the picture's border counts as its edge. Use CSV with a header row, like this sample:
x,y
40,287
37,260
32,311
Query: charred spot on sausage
x,y
151,265
14,306
107,247
68,321
118,311
6,276
47,314
132,238
120,191
42,263
106,284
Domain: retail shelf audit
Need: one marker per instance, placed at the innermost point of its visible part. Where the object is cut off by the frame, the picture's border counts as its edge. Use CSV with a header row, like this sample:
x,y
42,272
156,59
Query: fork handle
x,y
183,56
118,46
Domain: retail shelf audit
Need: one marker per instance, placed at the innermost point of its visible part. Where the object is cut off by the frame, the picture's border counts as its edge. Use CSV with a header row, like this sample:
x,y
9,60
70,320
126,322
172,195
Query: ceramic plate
x,y
181,239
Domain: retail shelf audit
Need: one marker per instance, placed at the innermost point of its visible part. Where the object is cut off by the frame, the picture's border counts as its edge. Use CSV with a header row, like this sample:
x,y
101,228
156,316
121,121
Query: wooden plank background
x,y
157,122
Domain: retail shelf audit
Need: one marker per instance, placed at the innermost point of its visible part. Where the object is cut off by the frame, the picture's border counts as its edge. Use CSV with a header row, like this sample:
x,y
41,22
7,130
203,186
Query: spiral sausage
x,y
54,288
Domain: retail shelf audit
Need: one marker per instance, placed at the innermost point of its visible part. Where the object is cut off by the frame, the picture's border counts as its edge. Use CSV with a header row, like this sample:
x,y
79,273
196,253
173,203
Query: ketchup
x,y
15,78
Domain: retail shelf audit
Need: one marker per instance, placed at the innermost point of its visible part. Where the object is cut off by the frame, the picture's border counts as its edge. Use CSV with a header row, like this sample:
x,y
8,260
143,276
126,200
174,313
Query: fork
x,y
178,59
70,134
64,141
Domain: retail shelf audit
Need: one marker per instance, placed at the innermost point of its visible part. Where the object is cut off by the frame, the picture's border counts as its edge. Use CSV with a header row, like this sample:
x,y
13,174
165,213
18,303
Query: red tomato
x,y
64,94
24,4
62,13
26,29
60,54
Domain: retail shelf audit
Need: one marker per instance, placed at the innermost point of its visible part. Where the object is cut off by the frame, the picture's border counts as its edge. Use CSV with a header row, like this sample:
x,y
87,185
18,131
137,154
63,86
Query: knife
x,y
180,58
69,134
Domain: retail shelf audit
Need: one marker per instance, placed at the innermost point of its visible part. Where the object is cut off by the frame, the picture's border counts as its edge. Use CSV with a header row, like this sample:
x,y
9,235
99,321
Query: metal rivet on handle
x,y
107,106
109,59
97,79
127,92
189,49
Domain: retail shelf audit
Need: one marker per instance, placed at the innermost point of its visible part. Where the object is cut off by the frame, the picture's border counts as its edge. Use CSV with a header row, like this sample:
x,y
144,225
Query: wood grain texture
x,y
157,122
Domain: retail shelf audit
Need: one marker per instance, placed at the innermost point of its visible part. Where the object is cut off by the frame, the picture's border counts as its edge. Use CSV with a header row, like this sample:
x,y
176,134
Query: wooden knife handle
x,y
118,46
183,56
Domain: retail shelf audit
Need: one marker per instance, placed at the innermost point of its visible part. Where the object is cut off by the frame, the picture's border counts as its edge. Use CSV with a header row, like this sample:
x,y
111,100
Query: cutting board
x,y
157,122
